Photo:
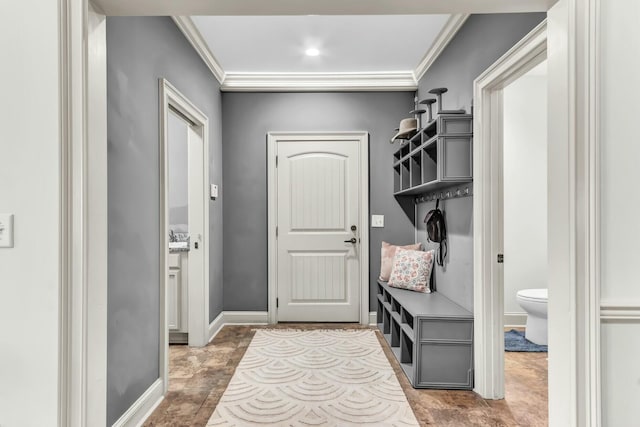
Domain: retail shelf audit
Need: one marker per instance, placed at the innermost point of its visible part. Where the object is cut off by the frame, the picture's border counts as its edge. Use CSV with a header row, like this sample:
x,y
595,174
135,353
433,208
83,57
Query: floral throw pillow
x,y
387,254
412,270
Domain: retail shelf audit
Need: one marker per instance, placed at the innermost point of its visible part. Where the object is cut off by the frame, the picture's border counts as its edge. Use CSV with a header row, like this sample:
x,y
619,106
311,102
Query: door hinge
x,y
500,258
277,303
276,161
276,231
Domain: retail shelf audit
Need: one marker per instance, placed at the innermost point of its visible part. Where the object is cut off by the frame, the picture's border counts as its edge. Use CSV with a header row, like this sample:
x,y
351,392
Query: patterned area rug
x,y
515,341
313,378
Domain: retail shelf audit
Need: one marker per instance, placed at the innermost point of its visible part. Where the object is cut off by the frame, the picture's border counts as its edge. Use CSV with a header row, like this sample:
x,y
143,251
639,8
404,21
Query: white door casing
x,y
318,192
572,24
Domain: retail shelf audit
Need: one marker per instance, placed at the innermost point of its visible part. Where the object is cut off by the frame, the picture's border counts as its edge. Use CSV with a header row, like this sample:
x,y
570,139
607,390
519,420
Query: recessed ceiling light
x,y
312,52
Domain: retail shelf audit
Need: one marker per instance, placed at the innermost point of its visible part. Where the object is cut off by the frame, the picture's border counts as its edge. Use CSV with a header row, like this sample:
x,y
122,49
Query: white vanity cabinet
x,y
177,301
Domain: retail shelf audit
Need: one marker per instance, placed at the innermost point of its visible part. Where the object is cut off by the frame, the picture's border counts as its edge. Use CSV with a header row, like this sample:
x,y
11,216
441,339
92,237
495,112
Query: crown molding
x,y
316,82
447,33
191,32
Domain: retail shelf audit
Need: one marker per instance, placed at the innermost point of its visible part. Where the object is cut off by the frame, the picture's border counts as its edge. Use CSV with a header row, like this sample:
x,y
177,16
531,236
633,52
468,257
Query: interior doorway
x,y
525,194
184,219
573,69
489,208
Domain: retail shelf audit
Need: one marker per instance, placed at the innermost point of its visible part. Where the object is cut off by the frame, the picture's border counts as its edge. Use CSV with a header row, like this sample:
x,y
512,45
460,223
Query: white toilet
x,y
534,302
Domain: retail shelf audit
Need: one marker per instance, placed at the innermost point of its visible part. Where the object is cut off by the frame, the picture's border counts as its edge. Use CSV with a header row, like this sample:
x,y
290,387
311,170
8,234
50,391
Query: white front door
x,y
318,230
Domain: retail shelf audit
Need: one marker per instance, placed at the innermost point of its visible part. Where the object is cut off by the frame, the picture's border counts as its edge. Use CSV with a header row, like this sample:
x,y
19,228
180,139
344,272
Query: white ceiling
x,y
355,43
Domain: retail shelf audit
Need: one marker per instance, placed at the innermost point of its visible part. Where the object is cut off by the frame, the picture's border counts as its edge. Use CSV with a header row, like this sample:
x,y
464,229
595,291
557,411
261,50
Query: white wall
x,y
620,208
525,189
29,188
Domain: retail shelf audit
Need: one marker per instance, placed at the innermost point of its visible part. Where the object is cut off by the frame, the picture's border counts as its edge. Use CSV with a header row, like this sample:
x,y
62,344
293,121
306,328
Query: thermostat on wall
x,y
6,230
214,191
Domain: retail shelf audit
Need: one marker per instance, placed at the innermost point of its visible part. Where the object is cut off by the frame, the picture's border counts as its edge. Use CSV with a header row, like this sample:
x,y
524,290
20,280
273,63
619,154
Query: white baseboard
x,y
216,325
143,407
373,318
515,320
246,317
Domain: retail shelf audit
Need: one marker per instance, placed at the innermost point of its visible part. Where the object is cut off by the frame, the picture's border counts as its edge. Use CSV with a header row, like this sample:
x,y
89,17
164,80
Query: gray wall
x,y
140,50
478,44
247,117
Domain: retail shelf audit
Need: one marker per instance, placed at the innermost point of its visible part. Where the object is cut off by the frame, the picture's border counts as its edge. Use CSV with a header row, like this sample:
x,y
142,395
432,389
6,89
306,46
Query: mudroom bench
x,y
430,335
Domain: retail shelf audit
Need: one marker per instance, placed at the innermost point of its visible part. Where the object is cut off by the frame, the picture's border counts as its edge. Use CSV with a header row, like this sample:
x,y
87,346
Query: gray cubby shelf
x,y
430,335
437,156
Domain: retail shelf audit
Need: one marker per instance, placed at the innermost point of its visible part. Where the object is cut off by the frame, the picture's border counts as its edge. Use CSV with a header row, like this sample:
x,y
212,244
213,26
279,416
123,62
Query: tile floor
x,y
199,376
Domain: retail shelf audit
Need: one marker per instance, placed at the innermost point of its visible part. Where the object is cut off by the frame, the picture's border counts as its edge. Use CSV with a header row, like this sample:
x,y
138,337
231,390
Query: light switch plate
x,y
6,230
377,221
214,191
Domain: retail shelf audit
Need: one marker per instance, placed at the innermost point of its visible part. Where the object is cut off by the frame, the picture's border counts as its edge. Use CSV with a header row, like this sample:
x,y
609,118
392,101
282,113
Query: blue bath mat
x,y
515,341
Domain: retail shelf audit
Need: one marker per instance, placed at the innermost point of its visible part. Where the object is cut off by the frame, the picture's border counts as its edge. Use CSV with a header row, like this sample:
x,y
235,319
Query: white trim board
x,y
246,317
315,82
515,320
83,212
215,326
143,407
314,7
373,318
574,222
628,311
363,139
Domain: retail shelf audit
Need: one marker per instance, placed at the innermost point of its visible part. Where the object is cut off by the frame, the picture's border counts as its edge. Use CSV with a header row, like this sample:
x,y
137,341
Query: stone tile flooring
x,y
199,376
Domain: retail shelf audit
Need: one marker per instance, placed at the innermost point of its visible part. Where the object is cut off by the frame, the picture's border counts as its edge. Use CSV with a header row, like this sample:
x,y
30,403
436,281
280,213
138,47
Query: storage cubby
x,y
429,168
415,142
430,335
440,154
395,332
407,319
396,178
404,150
405,174
395,306
416,169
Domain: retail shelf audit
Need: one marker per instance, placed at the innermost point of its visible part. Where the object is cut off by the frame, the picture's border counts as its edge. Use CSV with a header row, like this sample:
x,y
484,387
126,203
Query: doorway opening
x,y
524,193
184,224
492,213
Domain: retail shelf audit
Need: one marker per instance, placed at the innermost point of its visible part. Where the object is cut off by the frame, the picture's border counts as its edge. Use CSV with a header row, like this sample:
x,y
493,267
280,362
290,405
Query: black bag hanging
x,y
437,231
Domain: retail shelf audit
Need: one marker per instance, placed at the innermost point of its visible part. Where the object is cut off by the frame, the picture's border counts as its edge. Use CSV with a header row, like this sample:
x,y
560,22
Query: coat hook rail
x,y
446,193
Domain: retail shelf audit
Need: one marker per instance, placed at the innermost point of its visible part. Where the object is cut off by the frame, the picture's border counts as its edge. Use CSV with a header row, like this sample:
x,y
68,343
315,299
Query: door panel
x,y
318,203
318,277
196,263
317,195
173,299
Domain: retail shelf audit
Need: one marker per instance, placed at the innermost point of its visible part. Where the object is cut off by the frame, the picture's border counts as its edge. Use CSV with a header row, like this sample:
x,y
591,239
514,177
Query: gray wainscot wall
x,y
140,50
479,43
247,118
